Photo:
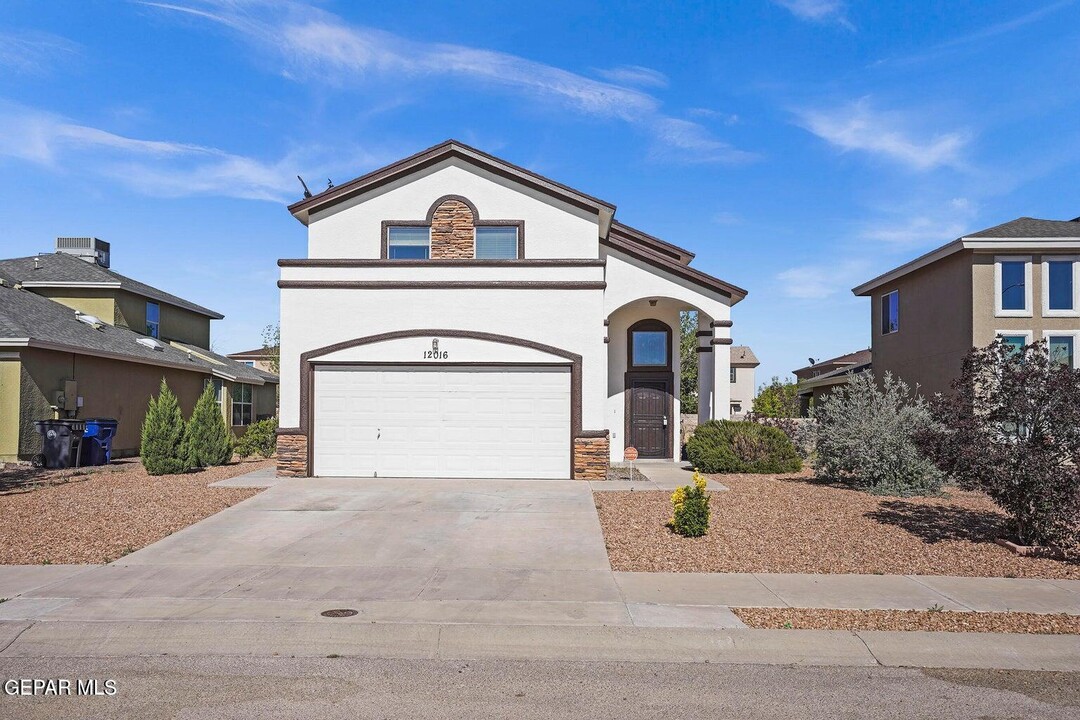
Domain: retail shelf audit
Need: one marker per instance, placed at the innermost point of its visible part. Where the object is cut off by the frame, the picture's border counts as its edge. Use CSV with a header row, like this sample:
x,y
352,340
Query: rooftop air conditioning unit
x,y
86,248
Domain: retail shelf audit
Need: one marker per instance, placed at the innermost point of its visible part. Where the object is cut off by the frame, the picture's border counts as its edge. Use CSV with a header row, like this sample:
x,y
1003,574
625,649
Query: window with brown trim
x,y
649,345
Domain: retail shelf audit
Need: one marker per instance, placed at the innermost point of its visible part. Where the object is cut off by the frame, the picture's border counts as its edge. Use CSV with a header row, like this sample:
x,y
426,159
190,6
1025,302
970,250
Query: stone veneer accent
x,y
452,231
292,455
591,458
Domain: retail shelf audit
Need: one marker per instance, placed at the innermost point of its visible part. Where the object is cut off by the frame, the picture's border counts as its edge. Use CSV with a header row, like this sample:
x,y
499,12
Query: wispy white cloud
x,y
318,46
985,33
858,126
724,117
819,11
634,75
30,52
822,280
935,226
160,167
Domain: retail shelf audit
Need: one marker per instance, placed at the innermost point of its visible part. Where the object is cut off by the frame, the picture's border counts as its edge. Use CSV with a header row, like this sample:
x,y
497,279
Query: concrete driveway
x,y
491,551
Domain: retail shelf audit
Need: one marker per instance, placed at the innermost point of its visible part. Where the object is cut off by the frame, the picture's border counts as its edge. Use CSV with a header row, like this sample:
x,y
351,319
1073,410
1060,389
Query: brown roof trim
x,y
450,148
440,285
682,255
663,262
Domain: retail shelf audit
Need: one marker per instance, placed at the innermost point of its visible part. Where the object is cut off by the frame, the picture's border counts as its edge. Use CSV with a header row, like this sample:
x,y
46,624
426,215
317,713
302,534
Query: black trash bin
x,y
97,441
60,442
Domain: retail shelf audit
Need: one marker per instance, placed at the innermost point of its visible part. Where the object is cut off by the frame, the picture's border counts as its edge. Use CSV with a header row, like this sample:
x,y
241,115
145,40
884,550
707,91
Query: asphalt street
x,y
330,688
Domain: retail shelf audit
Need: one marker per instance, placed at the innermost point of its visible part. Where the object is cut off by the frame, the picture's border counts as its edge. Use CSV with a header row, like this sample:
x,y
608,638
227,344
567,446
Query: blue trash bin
x,y
97,441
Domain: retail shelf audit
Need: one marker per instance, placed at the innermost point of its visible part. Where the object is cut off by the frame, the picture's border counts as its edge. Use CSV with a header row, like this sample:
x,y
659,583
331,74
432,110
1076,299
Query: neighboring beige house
x,y
79,340
259,358
1019,281
743,384
821,377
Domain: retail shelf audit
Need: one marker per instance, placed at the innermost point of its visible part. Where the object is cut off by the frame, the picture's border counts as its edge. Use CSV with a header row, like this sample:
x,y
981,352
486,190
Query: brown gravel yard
x,y
797,524
906,620
80,516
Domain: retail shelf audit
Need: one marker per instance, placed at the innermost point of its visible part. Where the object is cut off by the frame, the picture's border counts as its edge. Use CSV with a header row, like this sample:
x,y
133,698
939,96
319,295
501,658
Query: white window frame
x,y
998,311
1074,334
1028,335
389,232
881,313
517,240
1046,311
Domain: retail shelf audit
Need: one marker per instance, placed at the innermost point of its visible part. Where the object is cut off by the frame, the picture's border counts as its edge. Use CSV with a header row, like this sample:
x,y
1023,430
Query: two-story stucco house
x,y
459,316
1019,281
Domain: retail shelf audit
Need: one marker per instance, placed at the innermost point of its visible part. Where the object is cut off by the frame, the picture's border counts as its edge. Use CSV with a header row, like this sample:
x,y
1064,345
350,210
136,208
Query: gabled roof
x,y
743,356
1023,234
835,377
1026,227
28,319
256,353
617,240
63,270
680,255
451,149
859,357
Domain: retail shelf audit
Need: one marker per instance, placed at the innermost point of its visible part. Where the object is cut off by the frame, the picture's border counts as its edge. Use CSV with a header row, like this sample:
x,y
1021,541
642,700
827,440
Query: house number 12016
x,y
435,353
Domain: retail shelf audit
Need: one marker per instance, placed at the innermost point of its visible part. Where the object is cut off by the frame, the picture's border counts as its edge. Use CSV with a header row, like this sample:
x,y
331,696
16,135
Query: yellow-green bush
x,y
690,509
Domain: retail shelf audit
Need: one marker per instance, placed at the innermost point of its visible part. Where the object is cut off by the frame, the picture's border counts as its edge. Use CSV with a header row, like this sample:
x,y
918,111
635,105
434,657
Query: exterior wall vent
x,y
89,249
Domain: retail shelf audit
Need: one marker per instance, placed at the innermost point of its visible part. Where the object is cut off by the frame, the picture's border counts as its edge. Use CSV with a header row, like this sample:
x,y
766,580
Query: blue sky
x,y
799,147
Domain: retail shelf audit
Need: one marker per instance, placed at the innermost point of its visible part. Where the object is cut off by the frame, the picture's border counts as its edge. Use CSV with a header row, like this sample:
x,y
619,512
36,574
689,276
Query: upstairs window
x,y
1060,286
408,243
153,319
732,374
1012,280
890,313
497,242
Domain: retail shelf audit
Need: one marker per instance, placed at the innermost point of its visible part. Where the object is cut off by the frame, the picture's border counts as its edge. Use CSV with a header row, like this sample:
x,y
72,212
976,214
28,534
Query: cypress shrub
x,y
208,441
163,450
724,446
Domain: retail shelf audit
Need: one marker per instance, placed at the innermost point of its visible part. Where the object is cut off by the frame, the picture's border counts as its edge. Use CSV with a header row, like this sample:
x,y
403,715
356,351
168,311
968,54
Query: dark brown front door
x,y
649,401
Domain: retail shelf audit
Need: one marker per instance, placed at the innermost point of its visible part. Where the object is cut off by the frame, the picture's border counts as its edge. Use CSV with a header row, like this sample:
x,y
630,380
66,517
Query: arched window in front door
x,y
649,345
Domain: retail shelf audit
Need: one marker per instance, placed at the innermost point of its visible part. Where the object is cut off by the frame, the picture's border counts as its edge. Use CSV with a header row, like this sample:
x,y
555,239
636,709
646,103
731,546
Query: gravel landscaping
x,y
907,620
99,515
797,524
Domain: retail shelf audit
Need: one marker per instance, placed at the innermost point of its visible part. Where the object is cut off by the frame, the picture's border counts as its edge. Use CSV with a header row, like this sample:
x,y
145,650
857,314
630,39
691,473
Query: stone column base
x,y
292,451
592,457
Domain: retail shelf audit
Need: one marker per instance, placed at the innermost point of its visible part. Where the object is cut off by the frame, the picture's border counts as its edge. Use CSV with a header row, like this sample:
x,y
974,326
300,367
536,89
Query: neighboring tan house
x,y
80,340
459,316
743,385
1019,281
259,358
817,380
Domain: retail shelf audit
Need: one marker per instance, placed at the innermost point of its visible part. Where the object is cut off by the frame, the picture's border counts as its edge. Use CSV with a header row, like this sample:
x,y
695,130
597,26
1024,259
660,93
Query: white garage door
x,y
409,421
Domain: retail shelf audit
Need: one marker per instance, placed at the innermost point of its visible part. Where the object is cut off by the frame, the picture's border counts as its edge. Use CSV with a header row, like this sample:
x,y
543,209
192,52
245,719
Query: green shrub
x,y
724,446
260,439
162,450
208,441
690,509
865,437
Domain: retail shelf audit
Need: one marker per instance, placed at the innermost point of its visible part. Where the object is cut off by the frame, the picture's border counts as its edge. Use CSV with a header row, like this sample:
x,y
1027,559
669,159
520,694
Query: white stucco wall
x,y
553,228
571,320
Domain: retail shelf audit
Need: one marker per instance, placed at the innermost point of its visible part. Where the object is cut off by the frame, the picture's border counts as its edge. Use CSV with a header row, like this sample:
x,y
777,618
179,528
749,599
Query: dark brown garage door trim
x,y
310,358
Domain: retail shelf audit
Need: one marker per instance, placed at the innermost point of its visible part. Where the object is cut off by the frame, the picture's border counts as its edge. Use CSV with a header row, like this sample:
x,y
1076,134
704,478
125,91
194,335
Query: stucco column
x,y
721,359
705,368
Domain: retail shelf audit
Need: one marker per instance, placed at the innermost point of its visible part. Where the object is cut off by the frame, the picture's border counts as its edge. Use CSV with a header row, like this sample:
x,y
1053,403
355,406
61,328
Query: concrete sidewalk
x,y
505,568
